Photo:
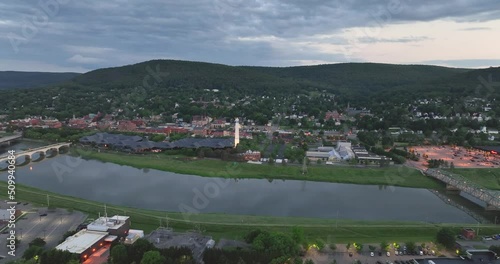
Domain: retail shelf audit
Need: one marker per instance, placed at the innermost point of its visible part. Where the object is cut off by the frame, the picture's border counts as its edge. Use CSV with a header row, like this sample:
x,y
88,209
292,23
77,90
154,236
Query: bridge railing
x,y
37,149
465,185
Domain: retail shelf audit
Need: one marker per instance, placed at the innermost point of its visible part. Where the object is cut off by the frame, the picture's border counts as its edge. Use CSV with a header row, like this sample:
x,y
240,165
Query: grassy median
x,y
236,226
394,176
488,177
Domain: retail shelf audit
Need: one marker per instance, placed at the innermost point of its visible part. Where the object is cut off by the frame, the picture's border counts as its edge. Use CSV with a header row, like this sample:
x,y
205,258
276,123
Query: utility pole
x,y
304,166
48,201
337,220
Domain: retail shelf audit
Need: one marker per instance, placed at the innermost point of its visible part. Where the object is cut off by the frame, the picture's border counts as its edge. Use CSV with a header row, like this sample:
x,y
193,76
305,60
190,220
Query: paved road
x,y
51,227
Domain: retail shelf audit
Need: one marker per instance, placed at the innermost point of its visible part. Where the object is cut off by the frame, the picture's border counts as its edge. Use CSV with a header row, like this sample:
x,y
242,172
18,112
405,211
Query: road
x,y
51,227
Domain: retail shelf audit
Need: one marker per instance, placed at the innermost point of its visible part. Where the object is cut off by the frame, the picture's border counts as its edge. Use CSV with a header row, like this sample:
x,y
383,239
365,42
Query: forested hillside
x,y
15,79
168,87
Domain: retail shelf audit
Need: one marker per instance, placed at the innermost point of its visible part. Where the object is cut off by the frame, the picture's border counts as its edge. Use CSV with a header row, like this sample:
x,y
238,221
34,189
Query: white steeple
x,y
236,132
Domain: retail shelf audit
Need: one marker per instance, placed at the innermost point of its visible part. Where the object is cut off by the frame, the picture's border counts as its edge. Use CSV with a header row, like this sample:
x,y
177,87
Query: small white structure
x,y
236,132
133,235
210,243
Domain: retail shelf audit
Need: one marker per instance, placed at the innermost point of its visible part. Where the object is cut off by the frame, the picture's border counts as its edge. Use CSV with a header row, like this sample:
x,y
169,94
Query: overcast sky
x,y
70,35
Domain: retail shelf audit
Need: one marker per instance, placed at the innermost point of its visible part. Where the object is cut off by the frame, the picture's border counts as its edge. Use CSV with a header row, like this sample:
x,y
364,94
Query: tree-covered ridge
x,y
24,80
194,88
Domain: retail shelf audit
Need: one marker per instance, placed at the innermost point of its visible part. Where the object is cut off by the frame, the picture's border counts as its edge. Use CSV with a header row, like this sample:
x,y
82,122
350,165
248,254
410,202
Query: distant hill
x,y
157,86
15,79
349,79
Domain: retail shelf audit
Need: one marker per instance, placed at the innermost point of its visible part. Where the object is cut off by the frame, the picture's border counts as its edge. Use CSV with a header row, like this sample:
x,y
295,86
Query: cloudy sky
x,y
70,35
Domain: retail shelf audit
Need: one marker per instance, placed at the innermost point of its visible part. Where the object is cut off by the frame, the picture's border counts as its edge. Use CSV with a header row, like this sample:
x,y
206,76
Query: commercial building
x,y
98,235
363,156
84,243
471,257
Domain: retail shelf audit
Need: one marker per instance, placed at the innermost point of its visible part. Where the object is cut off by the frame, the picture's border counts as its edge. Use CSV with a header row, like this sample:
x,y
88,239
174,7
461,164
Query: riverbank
x,y
391,176
486,177
236,226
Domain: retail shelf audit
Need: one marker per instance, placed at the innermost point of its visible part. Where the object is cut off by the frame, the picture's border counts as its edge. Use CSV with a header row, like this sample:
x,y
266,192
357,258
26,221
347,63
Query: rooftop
x,y
104,224
81,241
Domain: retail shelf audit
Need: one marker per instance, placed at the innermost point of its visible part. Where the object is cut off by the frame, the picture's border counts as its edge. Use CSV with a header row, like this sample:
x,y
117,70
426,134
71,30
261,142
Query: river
x,y
152,189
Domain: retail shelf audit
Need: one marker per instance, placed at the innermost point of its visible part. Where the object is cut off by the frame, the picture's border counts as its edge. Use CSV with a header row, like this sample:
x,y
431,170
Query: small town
x,y
250,132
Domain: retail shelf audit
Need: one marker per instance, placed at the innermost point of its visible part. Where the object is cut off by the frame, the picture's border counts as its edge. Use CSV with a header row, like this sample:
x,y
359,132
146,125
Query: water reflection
x,y
153,189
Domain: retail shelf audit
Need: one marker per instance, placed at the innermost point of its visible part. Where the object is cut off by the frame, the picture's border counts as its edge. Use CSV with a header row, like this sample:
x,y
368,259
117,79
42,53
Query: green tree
x,y
446,237
298,261
309,261
32,251
495,249
298,235
384,246
119,255
410,246
39,242
152,257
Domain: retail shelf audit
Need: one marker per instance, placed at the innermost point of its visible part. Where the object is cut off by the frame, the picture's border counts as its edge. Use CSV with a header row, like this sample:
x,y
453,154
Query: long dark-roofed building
x,y
124,142
138,144
214,143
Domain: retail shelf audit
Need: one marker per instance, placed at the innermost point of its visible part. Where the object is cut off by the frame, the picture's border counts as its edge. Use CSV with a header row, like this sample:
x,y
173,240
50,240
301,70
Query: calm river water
x,y
152,189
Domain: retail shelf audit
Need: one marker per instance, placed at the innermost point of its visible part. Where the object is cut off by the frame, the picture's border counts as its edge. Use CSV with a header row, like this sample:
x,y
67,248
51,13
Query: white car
x,y
372,254
388,253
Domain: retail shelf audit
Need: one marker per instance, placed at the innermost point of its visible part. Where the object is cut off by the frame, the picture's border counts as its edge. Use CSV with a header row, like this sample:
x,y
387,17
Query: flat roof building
x,y
100,232
83,243
116,225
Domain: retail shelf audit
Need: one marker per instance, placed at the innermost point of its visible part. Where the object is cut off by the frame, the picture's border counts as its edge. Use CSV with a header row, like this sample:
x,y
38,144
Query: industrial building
x,y
342,152
98,235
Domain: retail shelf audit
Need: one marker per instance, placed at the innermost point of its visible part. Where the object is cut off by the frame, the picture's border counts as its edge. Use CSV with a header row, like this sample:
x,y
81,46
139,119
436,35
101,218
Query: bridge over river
x,y
7,140
42,151
458,183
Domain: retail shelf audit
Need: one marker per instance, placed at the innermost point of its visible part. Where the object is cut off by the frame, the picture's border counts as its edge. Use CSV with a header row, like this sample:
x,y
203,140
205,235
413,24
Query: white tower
x,y
236,132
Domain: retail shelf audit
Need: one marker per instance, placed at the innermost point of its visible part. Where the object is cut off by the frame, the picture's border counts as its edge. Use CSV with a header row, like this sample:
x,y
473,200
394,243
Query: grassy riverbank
x,y
394,176
236,226
488,177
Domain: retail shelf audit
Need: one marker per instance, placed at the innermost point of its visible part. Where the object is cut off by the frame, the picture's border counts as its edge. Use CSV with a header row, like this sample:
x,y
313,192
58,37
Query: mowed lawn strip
x,y
487,177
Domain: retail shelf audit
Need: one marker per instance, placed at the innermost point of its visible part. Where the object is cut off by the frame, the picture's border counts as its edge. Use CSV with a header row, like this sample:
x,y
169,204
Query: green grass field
x,y
487,177
236,226
395,176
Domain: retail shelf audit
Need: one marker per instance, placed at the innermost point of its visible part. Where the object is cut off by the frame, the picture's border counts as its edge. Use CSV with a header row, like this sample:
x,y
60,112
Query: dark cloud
x,y
225,31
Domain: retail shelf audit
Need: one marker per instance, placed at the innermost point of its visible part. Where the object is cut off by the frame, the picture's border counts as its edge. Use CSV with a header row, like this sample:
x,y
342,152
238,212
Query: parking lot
x,y
50,227
341,255
460,156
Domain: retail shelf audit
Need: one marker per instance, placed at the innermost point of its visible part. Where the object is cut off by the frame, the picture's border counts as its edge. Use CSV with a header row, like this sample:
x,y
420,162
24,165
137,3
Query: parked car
x,y
487,238
372,254
388,253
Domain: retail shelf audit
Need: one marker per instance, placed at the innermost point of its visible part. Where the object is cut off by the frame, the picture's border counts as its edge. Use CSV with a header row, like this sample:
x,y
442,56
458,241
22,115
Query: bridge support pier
x,y
452,189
